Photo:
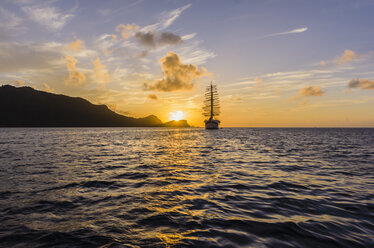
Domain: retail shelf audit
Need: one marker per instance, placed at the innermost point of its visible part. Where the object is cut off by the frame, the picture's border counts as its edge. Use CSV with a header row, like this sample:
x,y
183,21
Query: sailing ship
x,y
211,107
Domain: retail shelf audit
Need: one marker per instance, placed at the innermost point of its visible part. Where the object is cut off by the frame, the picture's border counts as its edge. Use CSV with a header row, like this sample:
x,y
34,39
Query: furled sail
x,y
211,107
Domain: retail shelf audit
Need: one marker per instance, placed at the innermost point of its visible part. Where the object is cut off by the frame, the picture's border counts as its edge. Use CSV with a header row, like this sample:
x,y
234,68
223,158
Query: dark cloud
x,y
311,91
168,38
152,97
146,39
176,75
365,84
152,39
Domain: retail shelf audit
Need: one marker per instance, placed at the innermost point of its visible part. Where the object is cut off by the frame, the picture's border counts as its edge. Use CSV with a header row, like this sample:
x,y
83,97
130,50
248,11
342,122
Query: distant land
x,y
27,107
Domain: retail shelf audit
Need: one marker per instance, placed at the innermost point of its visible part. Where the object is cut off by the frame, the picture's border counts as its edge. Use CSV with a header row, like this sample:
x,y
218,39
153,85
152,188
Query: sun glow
x,y
177,115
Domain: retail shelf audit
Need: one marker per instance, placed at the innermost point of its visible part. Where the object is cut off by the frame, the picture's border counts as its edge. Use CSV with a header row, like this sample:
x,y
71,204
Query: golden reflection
x,y
175,188
163,210
170,239
179,189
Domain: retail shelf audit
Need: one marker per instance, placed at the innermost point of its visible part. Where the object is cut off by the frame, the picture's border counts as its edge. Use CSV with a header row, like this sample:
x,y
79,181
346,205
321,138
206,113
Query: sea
x,y
186,187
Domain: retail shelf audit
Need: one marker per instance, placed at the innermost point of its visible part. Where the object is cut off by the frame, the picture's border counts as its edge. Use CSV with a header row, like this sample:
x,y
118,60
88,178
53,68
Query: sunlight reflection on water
x,y
151,187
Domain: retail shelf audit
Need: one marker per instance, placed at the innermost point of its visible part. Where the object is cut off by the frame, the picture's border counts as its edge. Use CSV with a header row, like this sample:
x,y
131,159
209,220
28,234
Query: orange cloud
x,y
346,57
176,75
311,91
365,84
76,46
126,30
75,78
101,73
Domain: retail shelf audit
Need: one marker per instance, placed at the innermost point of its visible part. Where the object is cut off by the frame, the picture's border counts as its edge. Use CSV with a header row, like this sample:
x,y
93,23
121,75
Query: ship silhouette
x,y
211,107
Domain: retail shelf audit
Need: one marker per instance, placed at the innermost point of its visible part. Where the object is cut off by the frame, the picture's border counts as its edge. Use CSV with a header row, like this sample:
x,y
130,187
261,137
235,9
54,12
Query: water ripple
x,y
161,187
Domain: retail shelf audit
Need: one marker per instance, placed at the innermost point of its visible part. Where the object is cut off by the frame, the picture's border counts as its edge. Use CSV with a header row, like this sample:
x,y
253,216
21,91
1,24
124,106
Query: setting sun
x,y
177,115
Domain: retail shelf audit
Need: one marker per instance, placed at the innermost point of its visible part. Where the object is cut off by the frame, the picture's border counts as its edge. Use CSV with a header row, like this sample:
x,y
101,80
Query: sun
x,y
177,115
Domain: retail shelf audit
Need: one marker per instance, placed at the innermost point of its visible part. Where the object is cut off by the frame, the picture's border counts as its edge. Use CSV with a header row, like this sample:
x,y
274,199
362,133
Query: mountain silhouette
x,y
27,107
180,123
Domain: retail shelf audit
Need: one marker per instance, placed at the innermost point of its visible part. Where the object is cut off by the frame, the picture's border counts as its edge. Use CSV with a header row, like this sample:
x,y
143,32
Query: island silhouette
x,y
27,107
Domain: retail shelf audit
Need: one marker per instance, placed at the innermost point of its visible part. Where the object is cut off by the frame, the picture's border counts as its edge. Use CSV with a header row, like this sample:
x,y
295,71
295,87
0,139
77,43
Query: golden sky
x,y
303,65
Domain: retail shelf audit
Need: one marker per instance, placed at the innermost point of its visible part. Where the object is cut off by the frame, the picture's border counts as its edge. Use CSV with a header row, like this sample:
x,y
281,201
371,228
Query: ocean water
x,y
165,187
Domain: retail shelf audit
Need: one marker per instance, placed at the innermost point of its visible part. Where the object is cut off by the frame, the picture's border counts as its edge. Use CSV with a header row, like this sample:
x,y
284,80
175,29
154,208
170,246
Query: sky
x,y
276,63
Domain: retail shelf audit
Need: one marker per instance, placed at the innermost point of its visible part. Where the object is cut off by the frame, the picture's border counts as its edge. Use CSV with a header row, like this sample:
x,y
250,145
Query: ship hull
x,y
212,124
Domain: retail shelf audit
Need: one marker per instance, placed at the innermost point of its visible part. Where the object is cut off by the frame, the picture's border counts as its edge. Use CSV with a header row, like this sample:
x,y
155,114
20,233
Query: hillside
x,y
26,107
180,123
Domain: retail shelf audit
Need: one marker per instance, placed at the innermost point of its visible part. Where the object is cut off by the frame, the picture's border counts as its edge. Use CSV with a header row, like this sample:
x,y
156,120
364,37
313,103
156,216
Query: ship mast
x,y
211,100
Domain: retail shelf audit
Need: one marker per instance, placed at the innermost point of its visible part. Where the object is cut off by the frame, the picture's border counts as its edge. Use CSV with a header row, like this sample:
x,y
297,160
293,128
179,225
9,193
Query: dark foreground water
x,y
159,187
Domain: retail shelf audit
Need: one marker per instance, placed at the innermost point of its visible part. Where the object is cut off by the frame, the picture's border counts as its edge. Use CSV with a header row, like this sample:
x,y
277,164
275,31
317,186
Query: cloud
x,y
166,19
173,15
168,38
106,42
152,40
75,78
193,54
101,73
258,82
188,36
346,57
311,91
76,46
147,39
50,17
365,84
22,57
9,20
126,30
294,31
289,81
176,75
152,97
